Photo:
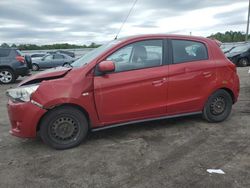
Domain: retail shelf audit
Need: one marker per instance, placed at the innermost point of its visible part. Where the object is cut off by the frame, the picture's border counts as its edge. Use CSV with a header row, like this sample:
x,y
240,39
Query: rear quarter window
x,y
187,51
4,52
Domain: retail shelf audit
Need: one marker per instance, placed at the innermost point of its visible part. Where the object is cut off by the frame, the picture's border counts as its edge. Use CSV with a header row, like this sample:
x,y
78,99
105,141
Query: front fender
x,y
52,93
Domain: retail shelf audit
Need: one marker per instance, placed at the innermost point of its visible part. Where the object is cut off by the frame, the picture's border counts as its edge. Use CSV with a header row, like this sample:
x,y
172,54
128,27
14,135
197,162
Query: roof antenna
x,y
125,20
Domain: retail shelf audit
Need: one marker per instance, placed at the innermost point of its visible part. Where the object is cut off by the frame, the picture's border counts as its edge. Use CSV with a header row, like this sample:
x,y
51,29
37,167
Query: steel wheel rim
x,y
64,130
244,62
218,106
5,76
34,67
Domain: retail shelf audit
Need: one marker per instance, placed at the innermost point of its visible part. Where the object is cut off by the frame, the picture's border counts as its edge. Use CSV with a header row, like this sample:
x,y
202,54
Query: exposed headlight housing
x,y
22,94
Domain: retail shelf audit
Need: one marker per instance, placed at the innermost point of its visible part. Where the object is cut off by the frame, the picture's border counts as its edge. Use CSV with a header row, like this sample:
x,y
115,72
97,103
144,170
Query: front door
x,y
58,60
46,62
137,88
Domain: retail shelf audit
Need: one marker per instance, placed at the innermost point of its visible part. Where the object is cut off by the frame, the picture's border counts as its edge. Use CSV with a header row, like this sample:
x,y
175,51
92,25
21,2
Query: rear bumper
x,y
236,88
22,71
24,118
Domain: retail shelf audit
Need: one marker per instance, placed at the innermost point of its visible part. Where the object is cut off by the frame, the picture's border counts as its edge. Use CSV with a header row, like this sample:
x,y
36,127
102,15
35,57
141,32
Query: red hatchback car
x,y
125,81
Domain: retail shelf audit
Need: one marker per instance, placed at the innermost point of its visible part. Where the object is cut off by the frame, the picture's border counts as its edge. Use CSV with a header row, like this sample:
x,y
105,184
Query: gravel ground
x,y
166,153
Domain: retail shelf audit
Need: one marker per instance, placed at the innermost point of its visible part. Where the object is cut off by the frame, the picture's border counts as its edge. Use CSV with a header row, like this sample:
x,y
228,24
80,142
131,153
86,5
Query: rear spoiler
x,y
219,43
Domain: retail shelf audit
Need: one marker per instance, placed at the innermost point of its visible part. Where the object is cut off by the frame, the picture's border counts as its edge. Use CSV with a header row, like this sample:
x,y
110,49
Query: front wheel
x,y
66,65
64,127
218,106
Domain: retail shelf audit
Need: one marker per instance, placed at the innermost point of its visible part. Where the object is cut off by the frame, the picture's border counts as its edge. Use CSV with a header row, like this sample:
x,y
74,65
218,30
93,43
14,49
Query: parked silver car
x,y
52,60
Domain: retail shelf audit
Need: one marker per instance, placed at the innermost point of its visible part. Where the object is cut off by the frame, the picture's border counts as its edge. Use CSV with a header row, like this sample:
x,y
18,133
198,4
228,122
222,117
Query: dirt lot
x,y
167,153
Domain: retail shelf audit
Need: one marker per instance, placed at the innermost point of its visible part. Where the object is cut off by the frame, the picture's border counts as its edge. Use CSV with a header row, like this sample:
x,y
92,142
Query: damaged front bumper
x,y
24,118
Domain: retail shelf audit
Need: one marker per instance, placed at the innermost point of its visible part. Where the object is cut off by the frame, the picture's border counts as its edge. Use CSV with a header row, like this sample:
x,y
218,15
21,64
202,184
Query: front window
x,y
49,57
58,56
138,55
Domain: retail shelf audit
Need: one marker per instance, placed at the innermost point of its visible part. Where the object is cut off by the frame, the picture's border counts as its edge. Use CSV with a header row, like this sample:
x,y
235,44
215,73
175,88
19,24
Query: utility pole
x,y
248,21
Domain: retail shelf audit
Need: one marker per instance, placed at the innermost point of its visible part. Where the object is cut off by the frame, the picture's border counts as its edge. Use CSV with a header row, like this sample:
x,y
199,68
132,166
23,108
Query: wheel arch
x,y
227,90
243,57
61,106
35,64
6,67
230,92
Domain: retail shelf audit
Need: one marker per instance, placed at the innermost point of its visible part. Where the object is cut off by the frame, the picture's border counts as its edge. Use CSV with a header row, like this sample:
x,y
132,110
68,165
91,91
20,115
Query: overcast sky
x,y
84,21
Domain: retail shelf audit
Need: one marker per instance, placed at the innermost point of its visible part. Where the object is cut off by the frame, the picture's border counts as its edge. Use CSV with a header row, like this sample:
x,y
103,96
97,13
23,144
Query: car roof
x,y
8,48
148,36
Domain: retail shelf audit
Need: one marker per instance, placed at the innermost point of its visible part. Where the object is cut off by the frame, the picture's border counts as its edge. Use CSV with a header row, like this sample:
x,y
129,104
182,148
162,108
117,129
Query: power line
x,y
126,18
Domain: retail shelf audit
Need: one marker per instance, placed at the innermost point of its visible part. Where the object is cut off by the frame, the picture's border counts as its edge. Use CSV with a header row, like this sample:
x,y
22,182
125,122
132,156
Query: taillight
x,y
232,66
20,59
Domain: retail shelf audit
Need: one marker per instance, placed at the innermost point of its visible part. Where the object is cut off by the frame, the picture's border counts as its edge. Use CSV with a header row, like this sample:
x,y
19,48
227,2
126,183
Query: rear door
x,y
192,74
138,87
4,56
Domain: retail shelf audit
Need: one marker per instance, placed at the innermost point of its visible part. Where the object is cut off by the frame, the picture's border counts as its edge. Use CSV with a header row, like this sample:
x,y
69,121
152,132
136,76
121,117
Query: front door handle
x,y
207,74
159,82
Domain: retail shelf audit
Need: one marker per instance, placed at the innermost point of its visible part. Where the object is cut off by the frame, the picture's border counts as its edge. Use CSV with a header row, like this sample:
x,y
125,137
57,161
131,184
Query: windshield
x,y
240,49
87,58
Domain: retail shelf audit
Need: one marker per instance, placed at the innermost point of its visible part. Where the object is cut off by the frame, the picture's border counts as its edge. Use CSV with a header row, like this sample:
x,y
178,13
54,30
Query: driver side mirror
x,y
106,66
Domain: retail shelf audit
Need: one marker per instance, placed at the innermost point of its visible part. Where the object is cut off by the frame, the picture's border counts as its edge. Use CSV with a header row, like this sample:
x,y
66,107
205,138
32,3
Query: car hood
x,y
233,54
53,73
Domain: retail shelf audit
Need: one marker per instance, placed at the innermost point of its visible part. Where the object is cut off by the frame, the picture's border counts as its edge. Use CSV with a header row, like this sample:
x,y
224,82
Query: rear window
x,y
19,53
186,51
4,52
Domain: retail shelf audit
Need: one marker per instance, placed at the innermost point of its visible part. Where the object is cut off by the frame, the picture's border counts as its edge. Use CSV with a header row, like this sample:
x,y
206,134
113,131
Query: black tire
x,y
64,127
7,76
218,106
35,67
243,62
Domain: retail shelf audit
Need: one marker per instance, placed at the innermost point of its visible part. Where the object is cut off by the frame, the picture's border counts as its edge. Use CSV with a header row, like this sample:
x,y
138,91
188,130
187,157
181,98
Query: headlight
x,y
22,94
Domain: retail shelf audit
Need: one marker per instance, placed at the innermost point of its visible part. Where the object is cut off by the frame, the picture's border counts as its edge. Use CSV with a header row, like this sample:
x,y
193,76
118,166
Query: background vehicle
x,y
50,61
71,54
240,55
227,47
12,65
130,80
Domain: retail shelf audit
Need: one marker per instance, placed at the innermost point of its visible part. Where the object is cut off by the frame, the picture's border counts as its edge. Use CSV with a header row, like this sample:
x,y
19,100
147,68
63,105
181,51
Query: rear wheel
x,y
243,62
218,106
64,127
35,67
7,76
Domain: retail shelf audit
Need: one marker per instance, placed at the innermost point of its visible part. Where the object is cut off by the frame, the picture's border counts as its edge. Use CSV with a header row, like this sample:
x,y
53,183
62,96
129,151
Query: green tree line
x,y
48,47
229,36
